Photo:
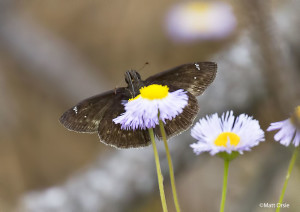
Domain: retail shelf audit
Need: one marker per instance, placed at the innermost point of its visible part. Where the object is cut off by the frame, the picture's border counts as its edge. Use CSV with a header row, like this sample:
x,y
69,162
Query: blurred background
x,y
55,53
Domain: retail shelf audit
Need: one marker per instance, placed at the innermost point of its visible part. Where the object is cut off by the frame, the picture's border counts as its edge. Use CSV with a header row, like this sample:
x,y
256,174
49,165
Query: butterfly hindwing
x,y
192,77
182,121
112,134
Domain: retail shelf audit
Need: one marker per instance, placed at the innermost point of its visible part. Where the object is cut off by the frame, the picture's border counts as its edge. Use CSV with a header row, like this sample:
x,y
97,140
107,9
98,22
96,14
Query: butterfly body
x,y
134,82
95,114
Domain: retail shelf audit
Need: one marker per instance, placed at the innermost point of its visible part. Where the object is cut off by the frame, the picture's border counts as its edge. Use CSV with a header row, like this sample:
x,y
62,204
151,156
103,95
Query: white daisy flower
x,y
289,129
226,134
154,103
192,21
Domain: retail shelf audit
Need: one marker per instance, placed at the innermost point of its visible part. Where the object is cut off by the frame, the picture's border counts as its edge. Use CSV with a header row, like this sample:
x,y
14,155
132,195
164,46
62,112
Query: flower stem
x,y
158,170
225,177
287,177
172,177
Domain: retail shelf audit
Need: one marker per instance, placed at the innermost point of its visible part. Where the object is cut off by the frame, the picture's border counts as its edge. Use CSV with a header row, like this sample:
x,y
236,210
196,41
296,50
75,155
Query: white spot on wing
x,y
195,77
197,66
75,109
85,116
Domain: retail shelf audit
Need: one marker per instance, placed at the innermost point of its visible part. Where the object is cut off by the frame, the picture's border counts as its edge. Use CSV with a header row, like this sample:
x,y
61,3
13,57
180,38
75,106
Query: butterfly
x,y
96,114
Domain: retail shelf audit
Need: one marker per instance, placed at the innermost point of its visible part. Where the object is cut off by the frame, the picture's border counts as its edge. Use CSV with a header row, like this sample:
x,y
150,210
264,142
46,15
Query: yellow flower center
x,y
199,7
223,138
197,14
154,91
295,118
297,112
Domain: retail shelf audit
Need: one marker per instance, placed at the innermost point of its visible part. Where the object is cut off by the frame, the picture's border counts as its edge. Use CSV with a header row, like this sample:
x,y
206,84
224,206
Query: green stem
x,y
225,179
287,177
172,177
158,170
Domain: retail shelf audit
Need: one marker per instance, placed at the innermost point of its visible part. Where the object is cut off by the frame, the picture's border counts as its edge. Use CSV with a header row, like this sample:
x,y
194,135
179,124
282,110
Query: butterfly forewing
x,y
95,114
193,77
86,115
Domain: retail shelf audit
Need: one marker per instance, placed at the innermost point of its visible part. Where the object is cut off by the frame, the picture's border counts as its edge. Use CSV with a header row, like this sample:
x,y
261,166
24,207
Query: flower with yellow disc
x,y
228,137
153,106
190,21
226,134
154,103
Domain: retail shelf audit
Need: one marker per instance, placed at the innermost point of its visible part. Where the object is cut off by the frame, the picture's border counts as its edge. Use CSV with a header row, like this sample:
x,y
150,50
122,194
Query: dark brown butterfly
x,y
96,113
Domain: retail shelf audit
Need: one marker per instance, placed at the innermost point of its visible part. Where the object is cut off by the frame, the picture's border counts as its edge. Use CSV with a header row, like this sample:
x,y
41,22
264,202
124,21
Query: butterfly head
x,y
134,82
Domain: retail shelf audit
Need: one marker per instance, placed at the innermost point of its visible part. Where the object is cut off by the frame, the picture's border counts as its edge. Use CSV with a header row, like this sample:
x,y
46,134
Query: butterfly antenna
x,y
145,64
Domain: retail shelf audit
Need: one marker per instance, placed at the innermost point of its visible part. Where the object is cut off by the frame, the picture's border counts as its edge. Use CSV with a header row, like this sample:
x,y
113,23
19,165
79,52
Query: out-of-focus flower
x,y
192,21
153,104
289,129
226,134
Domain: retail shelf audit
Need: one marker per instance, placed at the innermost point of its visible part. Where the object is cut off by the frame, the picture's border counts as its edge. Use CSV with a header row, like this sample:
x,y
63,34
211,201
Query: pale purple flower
x,y
192,21
142,113
288,132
